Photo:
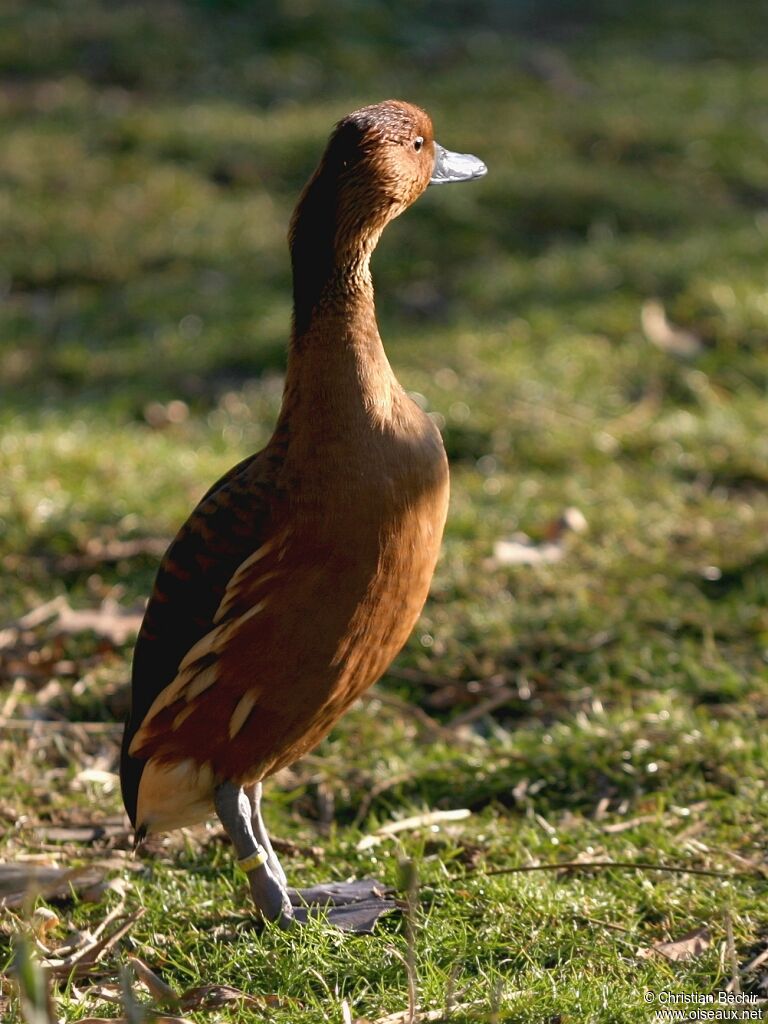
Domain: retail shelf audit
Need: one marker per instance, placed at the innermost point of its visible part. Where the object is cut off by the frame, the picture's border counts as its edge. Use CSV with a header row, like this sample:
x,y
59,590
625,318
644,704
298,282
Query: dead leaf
x,y
426,820
676,341
199,997
687,947
43,921
520,549
571,520
212,997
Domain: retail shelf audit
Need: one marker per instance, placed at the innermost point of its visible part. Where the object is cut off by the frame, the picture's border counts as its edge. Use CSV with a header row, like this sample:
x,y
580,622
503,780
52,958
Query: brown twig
x,y
502,696
623,865
431,725
415,675
376,791
734,985
603,924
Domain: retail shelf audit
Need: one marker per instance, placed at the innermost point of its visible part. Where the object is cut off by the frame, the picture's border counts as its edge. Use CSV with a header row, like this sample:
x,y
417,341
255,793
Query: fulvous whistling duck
x,y
300,574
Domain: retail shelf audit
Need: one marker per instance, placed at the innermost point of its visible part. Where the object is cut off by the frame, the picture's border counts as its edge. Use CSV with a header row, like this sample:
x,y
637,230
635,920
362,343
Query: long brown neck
x,y
331,239
336,362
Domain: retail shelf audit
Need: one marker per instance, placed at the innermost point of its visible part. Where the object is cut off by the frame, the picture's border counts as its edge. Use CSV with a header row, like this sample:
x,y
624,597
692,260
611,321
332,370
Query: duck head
x,y
378,161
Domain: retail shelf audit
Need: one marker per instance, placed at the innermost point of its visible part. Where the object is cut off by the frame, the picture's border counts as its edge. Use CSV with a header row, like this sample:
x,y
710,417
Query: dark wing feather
x,y
228,524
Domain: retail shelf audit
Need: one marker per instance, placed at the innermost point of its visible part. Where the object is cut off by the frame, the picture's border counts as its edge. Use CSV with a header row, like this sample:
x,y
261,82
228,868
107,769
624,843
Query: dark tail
x,y
131,769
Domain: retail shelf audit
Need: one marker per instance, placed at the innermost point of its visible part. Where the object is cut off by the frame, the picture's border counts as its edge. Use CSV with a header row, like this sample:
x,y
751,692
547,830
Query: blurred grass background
x,y
150,156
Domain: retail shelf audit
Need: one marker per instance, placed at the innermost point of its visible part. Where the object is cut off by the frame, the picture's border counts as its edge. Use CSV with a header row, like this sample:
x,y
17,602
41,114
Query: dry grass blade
x,y
375,792
37,616
450,989
755,962
105,992
81,962
113,915
496,992
161,992
16,691
600,923
410,881
411,1015
734,985
426,820
132,1008
616,827
32,982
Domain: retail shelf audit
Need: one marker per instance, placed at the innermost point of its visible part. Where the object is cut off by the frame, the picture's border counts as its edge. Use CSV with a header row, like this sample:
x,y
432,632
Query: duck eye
x,y
418,142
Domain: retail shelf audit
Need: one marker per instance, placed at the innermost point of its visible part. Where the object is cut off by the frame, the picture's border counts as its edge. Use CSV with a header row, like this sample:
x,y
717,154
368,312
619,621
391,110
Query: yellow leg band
x,y
254,861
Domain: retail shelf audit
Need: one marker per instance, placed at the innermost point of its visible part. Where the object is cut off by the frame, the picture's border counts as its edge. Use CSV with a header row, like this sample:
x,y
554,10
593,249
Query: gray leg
x,y
351,906
262,836
269,895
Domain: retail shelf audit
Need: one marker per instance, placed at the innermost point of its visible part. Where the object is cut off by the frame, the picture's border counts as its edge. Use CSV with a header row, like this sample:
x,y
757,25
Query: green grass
x,y
149,160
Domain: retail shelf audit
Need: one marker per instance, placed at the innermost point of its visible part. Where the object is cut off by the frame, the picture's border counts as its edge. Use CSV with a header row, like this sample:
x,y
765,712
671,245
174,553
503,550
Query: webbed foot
x,y
352,906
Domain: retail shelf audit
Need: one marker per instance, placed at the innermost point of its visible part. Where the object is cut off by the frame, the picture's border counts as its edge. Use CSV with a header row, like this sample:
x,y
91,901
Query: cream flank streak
x,y
193,679
232,593
245,706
